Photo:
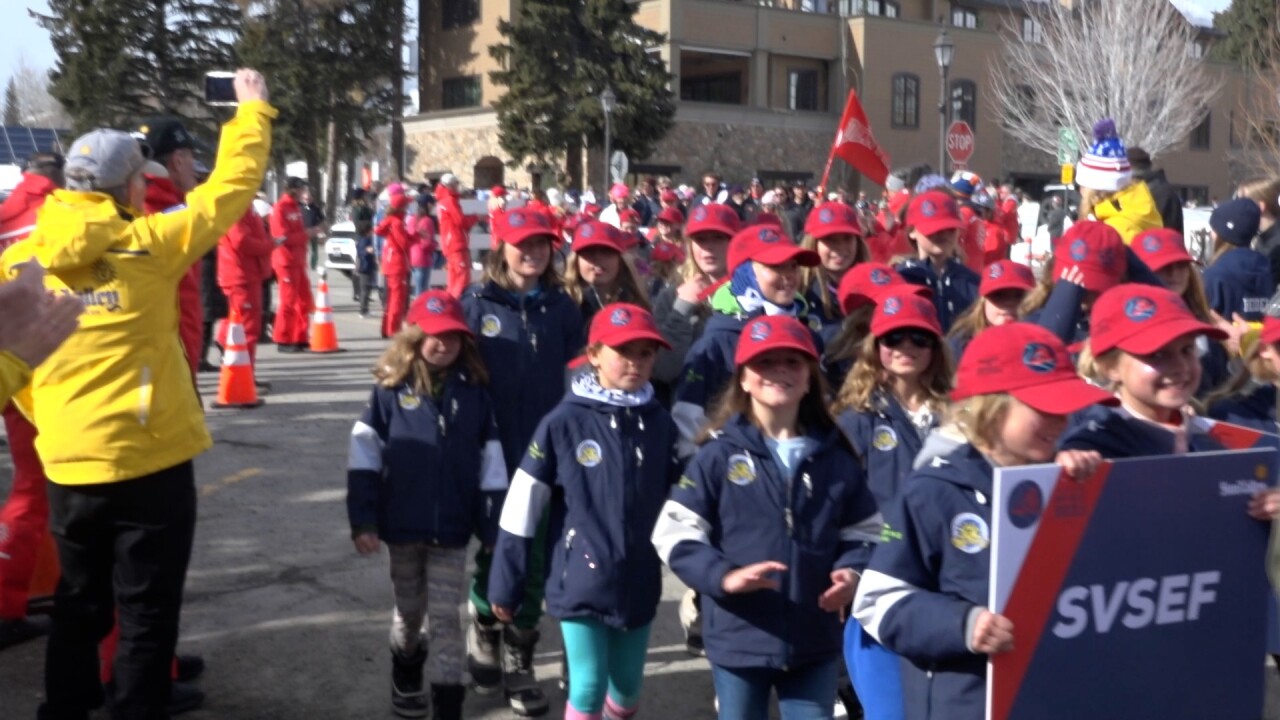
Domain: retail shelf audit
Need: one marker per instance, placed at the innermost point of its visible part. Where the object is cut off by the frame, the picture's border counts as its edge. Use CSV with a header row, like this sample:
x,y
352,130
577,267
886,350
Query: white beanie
x,y
1106,166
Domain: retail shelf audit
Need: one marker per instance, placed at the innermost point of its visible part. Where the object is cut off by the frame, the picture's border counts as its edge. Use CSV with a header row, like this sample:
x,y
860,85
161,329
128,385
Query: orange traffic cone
x,y
324,336
235,385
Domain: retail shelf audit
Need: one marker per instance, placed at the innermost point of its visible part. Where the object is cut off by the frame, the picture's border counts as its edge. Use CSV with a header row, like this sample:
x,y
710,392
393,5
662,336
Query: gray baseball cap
x,y
103,159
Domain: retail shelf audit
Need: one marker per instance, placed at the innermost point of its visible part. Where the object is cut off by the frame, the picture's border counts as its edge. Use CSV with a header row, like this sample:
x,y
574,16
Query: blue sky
x,y
21,37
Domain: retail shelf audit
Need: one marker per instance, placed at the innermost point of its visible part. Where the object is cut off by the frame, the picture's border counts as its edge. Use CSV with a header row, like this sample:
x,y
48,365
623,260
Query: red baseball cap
x,y
934,211
619,191
767,218
498,191
668,196
591,210
629,215
712,217
525,223
865,283
593,233
620,323
437,312
1141,319
1006,275
399,201
898,201
1270,330
832,218
773,332
671,216
764,244
904,310
1097,249
1161,248
664,251
1028,362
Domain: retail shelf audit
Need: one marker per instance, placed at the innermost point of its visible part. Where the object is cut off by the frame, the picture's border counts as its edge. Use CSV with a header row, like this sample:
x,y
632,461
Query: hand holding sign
x,y
992,633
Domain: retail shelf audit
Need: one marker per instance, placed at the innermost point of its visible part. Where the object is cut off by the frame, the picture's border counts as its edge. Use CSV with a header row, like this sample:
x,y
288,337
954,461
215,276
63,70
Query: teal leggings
x,y
604,660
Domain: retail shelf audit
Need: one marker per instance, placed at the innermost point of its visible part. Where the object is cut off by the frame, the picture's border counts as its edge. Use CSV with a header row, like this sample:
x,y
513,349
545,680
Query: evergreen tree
x,y
12,109
1250,28
92,76
558,57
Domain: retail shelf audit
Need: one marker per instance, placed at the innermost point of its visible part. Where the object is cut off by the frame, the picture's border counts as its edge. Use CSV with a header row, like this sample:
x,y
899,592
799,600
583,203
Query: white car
x,y
340,248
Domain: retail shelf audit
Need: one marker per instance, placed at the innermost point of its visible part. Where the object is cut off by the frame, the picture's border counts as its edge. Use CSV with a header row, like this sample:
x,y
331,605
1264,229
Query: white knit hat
x,y
1106,165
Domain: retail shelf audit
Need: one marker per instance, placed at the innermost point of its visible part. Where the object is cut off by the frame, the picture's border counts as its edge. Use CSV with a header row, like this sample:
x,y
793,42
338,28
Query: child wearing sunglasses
x,y
891,400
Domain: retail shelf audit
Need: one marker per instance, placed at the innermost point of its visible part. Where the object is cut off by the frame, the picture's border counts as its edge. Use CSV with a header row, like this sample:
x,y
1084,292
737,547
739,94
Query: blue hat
x,y
1236,221
1106,165
930,182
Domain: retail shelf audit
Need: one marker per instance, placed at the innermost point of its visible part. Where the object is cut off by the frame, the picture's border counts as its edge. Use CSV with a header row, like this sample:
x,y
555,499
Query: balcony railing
x,y
843,8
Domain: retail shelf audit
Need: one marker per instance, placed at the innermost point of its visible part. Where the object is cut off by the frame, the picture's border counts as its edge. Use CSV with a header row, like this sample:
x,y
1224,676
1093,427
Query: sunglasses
x,y
919,338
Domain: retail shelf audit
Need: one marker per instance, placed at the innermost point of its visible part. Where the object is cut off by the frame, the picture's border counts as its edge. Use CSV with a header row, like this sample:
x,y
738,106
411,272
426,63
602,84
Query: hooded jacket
x,y
605,463
886,440
286,222
424,469
928,579
1168,204
241,251
454,226
116,401
1239,281
526,342
395,250
163,197
734,507
681,323
18,213
1130,211
953,292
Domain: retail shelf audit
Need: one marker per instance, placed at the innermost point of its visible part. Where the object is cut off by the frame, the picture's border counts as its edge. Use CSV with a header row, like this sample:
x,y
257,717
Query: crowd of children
x,y
791,426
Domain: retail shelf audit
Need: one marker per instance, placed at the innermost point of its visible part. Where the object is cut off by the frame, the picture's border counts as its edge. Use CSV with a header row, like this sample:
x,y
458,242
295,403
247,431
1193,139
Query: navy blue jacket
x,y
928,579
366,255
526,344
1255,409
1239,282
1116,435
425,471
887,442
953,293
826,322
605,470
733,507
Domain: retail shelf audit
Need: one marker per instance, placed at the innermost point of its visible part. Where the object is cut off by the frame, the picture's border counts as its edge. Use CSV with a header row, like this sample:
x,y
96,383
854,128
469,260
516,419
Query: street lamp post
x,y
608,101
944,50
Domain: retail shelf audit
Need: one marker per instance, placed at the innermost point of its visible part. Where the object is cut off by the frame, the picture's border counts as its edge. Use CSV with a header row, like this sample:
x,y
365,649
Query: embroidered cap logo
x,y
892,306
825,216
1151,243
1140,309
995,272
435,305
1079,250
759,331
1039,357
880,277
620,317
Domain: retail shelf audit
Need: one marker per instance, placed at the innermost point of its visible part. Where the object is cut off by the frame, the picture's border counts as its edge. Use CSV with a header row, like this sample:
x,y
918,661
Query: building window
x,y
964,18
1025,98
459,13
964,102
1200,139
1195,49
1032,30
882,8
714,77
906,101
461,92
802,89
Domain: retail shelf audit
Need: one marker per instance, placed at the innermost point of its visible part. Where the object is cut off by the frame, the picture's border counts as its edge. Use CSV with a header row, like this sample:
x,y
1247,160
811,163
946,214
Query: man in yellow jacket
x,y
1108,190
118,415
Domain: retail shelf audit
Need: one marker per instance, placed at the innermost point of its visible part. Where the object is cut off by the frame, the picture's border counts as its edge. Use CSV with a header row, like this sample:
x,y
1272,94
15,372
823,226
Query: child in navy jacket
x,y
834,232
425,465
924,593
1238,280
528,330
1005,285
604,461
891,400
771,523
933,227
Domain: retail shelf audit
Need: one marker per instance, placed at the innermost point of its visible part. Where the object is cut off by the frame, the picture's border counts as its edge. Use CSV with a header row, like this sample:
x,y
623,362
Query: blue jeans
x,y
419,278
876,674
807,693
604,662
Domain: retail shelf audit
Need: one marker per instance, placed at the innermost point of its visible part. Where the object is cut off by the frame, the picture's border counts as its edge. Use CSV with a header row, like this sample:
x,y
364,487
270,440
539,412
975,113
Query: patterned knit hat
x,y
1106,165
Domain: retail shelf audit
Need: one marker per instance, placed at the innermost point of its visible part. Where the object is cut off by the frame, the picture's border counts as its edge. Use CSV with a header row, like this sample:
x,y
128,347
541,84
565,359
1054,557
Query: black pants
x,y
365,285
124,547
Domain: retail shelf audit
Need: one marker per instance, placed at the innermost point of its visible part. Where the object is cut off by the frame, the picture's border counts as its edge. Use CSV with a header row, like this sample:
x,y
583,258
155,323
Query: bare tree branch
x,y
1128,60
39,108
1258,130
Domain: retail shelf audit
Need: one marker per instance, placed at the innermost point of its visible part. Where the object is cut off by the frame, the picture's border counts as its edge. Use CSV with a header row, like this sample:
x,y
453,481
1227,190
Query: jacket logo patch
x,y
589,454
884,438
969,533
535,452
741,470
490,326
409,401
103,271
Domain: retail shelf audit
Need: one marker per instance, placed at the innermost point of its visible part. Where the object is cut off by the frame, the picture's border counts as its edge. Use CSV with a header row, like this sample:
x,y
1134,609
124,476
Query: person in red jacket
x,y
289,260
395,264
240,273
992,237
170,175
24,519
454,230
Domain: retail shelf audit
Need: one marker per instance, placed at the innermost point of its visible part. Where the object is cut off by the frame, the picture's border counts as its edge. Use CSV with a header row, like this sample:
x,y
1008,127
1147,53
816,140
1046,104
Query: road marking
x,y
230,480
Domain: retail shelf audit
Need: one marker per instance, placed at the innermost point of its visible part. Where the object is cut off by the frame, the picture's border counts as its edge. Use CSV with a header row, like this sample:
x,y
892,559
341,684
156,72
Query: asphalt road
x,y
291,621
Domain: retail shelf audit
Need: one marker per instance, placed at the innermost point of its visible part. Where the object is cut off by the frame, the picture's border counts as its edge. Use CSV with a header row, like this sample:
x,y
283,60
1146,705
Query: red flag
x,y
856,145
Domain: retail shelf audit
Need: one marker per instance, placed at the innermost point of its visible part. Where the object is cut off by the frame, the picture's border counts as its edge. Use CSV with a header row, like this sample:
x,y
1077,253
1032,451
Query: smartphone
x,y
219,88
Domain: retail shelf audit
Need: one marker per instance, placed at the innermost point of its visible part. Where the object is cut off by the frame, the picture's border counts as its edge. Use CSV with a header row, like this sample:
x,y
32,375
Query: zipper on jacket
x,y
144,397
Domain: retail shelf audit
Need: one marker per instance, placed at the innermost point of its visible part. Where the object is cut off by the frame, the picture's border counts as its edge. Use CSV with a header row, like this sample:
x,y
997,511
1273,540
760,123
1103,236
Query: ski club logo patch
x,y
490,326
995,272
767,235
435,306
1140,309
892,306
1026,502
928,208
741,470
589,454
1151,243
880,277
884,438
825,216
969,533
759,331
1079,250
586,231
410,401
700,213
1039,357
516,220
620,317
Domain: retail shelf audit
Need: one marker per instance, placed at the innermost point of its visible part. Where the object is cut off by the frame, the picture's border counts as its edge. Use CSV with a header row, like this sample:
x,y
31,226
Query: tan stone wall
x,y
457,150
739,153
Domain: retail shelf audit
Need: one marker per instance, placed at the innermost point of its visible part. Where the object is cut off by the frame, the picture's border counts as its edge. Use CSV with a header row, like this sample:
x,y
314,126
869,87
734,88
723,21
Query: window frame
x,y
445,88
905,121
792,95
1032,30
967,14
959,85
1201,138
453,15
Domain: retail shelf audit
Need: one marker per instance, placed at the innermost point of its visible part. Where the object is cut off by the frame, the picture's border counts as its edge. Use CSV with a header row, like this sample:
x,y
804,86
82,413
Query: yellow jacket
x,y
116,401
14,375
1130,211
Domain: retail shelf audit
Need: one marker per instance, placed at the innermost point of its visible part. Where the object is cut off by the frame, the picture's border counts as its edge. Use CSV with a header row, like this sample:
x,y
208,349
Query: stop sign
x,y
960,142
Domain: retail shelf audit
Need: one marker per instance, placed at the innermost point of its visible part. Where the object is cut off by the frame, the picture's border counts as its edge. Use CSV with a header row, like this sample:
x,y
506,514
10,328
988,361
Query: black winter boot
x,y
523,694
408,698
447,701
484,651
